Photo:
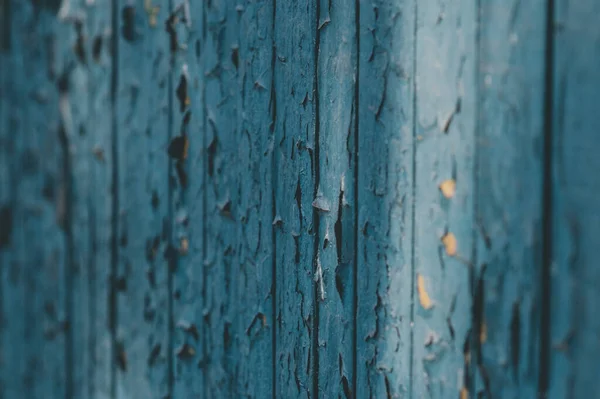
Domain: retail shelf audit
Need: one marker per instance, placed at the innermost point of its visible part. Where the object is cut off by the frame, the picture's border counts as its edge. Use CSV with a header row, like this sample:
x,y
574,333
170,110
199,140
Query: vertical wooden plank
x,y
188,199
71,65
142,281
293,172
252,287
507,301
445,116
222,197
574,275
35,280
335,200
385,198
100,146
6,190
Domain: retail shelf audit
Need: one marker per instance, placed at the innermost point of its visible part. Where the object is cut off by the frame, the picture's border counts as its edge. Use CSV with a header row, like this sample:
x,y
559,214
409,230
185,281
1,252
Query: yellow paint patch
x,y
152,12
450,243
424,298
464,393
184,246
448,188
483,333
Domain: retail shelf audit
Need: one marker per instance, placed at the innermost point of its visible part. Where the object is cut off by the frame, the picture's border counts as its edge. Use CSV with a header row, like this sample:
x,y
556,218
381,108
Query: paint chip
x,y
464,393
449,241
483,333
184,246
448,188
424,298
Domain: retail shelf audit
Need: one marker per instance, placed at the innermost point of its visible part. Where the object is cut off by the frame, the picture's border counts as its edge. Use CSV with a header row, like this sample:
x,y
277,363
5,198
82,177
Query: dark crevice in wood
x,y
181,93
547,208
356,205
412,203
114,228
274,175
316,213
205,175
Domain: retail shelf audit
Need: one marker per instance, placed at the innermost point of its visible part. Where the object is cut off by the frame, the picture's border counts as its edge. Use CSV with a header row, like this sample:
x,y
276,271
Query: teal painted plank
x,y
222,197
445,99
335,200
6,192
141,285
254,323
34,284
293,172
574,273
510,153
188,202
385,198
99,129
73,107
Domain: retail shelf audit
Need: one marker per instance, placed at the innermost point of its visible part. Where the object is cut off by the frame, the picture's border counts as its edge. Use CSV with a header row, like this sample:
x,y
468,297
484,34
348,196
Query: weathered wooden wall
x,y
288,199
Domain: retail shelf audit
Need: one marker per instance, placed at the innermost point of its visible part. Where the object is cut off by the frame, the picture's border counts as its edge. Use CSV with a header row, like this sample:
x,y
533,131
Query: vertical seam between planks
x,y
356,176
545,278
413,210
316,216
69,264
273,211
476,319
173,259
204,198
114,254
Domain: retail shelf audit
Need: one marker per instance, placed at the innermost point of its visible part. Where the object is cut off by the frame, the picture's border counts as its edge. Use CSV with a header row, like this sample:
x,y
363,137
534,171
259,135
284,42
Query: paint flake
x,y
424,298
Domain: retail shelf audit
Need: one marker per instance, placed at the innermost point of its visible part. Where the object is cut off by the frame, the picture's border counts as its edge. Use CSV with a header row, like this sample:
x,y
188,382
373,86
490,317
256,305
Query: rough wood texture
x,y
293,173
385,198
574,275
335,200
270,198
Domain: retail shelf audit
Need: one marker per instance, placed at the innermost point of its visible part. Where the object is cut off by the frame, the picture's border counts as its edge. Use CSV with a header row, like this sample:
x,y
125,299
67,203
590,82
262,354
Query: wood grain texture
x,y
100,59
222,197
510,157
188,218
575,277
445,130
140,284
294,168
335,199
254,323
385,198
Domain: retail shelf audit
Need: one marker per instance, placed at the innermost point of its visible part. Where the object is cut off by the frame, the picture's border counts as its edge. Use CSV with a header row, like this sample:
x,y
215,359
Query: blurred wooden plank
x,y
294,168
336,197
510,156
573,273
188,218
101,115
34,281
445,116
145,255
385,198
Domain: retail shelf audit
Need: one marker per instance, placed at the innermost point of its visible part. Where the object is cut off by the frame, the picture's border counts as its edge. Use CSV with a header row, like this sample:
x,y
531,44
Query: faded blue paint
x,y
444,150
217,199
510,156
574,341
140,280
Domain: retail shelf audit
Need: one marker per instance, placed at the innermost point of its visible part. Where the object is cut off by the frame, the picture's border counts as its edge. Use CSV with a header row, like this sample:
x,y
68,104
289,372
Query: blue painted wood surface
x,y
279,199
